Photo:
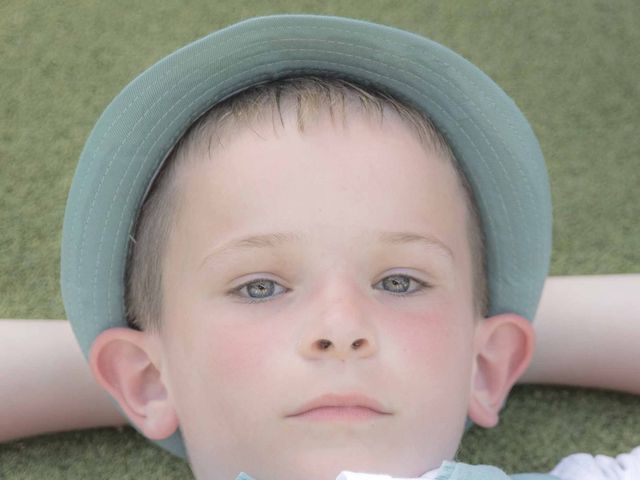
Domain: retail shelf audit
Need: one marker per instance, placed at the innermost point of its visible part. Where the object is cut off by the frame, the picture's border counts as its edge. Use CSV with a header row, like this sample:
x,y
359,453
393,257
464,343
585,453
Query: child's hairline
x,y
163,194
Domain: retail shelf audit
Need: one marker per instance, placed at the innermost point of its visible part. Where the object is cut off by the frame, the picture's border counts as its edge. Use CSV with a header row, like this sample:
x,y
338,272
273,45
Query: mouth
x,y
331,407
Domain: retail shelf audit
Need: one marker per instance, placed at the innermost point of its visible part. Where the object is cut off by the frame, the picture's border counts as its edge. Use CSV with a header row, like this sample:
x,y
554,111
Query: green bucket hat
x,y
491,139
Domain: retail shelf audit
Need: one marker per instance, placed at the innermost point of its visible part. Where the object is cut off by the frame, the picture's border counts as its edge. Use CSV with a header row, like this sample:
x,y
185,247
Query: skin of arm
x,y
588,333
587,329
45,382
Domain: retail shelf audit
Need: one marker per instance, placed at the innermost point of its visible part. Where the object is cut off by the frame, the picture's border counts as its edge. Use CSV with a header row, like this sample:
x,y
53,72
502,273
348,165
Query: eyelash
x,y
246,299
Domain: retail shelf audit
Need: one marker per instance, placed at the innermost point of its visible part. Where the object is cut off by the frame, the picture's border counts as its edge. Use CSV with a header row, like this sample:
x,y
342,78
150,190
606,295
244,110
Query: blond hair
x,y
306,98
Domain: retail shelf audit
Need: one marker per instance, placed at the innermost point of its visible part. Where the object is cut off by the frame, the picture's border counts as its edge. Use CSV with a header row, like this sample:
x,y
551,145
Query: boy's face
x,y
355,240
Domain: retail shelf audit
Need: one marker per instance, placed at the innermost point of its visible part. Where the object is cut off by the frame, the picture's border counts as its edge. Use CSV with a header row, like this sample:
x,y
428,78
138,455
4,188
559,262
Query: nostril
x,y
324,344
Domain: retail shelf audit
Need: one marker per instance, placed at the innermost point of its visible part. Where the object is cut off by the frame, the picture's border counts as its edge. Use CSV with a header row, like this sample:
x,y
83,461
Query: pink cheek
x,y
424,340
242,355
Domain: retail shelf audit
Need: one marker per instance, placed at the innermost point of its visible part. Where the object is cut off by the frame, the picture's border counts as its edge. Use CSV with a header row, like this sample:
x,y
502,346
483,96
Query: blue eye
x,y
401,284
259,290
263,289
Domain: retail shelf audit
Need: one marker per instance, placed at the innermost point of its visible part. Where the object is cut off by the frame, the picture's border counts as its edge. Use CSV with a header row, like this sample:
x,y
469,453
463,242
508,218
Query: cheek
x,y
237,356
239,352
436,349
432,342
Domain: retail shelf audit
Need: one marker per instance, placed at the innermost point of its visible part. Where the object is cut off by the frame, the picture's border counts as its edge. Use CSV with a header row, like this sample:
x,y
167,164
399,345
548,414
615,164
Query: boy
x,y
308,281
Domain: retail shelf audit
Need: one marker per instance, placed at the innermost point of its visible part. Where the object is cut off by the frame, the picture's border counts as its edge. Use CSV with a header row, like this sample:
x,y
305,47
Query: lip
x,y
341,407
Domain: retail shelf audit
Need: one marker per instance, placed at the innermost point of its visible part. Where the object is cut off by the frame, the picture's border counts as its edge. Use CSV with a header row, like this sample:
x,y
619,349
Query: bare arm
x,y
45,383
588,333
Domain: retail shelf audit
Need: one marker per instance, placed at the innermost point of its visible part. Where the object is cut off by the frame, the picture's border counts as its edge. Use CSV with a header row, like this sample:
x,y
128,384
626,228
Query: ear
x,y
503,347
121,361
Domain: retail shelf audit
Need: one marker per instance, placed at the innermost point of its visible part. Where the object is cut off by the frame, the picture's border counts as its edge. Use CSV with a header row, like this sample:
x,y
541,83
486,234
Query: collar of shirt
x,y
347,475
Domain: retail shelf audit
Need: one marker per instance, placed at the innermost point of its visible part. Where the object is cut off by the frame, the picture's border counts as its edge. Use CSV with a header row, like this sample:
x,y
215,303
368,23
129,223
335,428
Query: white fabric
x,y
582,466
579,466
347,475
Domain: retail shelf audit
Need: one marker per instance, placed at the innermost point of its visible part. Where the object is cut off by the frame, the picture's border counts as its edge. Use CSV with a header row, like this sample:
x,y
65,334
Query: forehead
x,y
338,180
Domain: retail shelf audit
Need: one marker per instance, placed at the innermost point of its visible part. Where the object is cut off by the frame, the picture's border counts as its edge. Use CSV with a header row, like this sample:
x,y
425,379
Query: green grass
x,y
572,67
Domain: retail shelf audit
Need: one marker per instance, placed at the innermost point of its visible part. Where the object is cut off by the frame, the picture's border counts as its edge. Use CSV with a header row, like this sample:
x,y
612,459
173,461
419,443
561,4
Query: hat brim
x,y
491,139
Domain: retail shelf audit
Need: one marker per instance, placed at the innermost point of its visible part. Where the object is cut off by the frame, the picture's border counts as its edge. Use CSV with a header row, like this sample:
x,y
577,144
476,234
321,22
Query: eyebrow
x,y
405,238
274,240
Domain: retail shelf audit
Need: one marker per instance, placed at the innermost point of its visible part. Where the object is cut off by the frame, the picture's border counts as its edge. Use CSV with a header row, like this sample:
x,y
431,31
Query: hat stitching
x,y
529,251
122,214
528,187
422,40
141,164
107,168
361,24
329,29
537,245
159,137
178,66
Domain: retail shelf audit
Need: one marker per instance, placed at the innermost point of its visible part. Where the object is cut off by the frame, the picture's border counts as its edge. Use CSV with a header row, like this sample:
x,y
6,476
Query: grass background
x,y
572,67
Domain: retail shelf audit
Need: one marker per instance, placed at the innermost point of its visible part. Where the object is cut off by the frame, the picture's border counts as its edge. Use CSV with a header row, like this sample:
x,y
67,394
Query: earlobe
x,y
121,361
503,349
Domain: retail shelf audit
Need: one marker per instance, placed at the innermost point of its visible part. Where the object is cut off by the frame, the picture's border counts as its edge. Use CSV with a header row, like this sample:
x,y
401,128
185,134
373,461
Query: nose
x,y
339,326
